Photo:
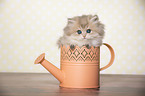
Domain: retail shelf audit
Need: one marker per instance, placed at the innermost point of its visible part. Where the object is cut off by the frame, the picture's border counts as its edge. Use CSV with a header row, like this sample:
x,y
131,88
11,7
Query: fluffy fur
x,y
82,23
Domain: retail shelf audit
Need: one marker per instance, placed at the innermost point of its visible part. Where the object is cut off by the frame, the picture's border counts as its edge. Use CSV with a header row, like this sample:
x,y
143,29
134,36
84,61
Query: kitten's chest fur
x,y
82,42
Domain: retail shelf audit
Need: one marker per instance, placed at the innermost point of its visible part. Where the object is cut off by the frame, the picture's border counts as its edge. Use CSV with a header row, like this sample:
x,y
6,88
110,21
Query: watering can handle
x,y
112,56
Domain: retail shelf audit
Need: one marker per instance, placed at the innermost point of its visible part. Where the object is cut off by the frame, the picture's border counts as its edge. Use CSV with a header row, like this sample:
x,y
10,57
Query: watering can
x,y
79,68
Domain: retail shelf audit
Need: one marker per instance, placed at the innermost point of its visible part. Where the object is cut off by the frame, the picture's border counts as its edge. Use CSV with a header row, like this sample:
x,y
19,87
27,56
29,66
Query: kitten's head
x,y
84,27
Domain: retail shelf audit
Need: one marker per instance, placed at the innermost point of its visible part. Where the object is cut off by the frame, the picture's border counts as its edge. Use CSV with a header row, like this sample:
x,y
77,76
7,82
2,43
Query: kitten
x,y
85,30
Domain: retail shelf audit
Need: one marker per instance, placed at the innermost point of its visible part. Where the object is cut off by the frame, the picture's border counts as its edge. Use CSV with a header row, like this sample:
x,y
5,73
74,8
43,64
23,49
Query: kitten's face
x,y
84,27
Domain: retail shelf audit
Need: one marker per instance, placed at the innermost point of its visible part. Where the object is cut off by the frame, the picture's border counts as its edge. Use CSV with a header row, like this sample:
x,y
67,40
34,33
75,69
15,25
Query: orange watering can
x,y
80,68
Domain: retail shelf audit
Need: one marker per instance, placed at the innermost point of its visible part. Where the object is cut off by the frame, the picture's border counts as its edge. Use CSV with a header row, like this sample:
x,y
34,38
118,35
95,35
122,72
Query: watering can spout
x,y
57,73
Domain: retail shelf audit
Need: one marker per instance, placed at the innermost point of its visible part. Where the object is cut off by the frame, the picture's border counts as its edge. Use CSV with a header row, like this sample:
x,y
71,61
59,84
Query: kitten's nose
x,y
84,37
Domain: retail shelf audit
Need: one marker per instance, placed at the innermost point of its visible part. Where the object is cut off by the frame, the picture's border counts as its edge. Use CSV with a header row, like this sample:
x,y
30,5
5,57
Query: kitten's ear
x,y
94,19
70,20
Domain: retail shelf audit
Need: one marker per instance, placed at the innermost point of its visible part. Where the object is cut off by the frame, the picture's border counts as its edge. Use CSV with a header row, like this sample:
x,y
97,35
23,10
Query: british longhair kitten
x,y
85,30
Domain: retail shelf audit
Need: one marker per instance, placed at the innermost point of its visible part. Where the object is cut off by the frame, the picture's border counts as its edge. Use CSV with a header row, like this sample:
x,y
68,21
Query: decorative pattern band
x,y
80,55
80,64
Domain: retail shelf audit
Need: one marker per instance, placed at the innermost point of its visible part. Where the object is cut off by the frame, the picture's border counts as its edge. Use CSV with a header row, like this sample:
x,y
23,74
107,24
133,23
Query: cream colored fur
x,y
84,22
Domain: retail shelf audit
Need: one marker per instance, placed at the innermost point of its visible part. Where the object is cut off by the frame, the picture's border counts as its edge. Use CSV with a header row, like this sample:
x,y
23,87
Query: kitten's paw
x,y
72,47
88,46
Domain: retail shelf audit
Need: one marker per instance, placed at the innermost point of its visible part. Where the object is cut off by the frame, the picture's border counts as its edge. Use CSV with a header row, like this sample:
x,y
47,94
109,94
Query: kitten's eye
x,y
88,31
79,31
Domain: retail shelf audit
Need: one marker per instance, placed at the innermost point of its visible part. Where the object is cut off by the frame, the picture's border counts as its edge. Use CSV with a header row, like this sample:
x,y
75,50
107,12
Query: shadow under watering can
x,y
80,68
